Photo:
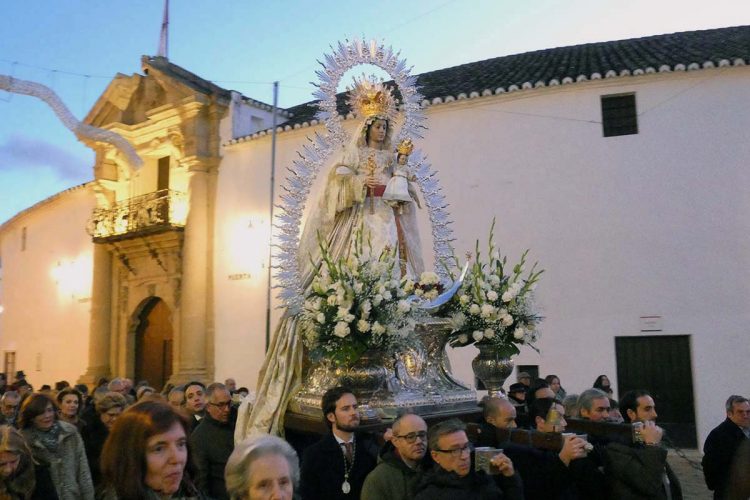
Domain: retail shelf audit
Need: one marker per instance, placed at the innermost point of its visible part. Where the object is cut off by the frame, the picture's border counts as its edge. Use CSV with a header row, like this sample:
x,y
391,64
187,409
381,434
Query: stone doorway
x,y
153,343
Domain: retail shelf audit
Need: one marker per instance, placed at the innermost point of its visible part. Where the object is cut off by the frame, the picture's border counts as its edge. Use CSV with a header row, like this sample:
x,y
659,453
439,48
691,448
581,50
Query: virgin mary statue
x,y
351,200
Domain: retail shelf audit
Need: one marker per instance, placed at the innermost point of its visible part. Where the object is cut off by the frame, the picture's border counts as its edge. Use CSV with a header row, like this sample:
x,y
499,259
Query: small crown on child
x,y
405,147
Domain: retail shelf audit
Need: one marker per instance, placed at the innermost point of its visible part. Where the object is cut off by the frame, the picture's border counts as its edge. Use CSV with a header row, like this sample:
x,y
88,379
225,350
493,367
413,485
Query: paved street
x,y
691,479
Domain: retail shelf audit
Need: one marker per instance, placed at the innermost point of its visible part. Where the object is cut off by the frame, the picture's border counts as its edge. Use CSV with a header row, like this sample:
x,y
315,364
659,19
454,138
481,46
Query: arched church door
x,y
153,344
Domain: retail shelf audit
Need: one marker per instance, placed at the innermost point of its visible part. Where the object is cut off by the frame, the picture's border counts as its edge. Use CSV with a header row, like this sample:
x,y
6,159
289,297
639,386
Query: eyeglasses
x,y
413,436
467,448
225,404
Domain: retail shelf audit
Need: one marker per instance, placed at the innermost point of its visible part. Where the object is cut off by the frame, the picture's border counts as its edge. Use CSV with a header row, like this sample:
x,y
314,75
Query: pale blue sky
x,y
247,44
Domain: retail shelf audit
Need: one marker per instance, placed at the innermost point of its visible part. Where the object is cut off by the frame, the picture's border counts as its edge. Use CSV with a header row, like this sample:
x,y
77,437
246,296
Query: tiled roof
x,y
690,50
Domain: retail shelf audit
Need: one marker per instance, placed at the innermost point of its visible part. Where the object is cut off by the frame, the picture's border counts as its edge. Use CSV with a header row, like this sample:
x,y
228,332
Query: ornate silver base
x,y
418,379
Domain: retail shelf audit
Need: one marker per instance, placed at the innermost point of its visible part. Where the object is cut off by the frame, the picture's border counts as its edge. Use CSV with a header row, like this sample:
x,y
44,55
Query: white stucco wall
x,y
630,226
46,288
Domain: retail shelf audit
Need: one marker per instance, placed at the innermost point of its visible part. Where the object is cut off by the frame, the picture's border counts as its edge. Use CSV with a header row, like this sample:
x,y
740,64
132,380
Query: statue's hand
x,y
344,170
370,181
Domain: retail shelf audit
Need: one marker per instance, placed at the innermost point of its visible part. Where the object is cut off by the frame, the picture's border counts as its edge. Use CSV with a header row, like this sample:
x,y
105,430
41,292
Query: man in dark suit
x,y
722,443
336,466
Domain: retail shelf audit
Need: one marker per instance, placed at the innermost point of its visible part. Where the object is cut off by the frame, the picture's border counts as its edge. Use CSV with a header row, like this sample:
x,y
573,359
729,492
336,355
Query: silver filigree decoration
x,y
81,130
302,173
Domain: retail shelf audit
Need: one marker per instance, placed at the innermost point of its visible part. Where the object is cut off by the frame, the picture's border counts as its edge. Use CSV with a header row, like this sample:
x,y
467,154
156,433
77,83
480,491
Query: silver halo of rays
x,y
304,170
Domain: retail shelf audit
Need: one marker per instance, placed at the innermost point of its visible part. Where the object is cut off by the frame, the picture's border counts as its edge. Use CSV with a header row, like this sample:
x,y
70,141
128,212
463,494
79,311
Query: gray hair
x,y
114,383
587,397
215,387
443,429
734,399
236,472
570,402
10,395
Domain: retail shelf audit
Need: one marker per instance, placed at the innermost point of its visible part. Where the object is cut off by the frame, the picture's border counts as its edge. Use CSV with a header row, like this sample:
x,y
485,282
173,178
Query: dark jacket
x,y
439,484
718,452
637,472
212,442
322,472
94,435
392,479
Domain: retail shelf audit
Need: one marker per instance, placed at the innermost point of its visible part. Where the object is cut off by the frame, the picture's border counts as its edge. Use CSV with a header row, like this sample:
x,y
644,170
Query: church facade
x,y
621,165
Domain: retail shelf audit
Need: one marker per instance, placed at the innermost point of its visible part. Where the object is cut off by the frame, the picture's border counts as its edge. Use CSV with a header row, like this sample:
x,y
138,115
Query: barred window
x,y
619,115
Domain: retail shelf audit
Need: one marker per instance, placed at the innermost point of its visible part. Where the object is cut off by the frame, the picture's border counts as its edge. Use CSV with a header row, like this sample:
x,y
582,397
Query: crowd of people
x,y
126,442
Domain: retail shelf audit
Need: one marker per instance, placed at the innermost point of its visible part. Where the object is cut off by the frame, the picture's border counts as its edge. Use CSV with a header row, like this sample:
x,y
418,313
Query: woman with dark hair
x,y
58,446
554,384
146,454
70,402
108,409
602,383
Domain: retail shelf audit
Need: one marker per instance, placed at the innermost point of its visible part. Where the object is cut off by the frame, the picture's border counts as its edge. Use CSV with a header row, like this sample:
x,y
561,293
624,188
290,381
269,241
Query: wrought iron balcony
x,y
151,213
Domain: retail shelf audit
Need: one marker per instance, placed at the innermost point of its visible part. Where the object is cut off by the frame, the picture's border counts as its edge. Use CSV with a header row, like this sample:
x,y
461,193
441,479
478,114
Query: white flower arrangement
x,y
355,305
495,304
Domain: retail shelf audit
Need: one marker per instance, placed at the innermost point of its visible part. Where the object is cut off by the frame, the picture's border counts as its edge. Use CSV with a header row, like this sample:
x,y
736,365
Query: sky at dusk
x,y
77,46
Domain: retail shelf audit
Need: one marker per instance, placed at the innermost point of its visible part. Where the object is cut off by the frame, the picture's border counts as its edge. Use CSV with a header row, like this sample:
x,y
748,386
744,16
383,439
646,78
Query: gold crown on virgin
x,y
369,98
405,147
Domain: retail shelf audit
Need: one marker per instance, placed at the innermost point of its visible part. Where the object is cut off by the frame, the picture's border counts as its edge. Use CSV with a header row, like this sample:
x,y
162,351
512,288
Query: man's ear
x,y
331,417
538,421
632,416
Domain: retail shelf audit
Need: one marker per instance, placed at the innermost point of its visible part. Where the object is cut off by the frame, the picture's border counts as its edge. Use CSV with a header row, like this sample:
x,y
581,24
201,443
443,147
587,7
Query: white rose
x,y
332,300
377,299
492,295
477,335
387,296
378,329
418,292
363,326
474,309
518,333
506,320
342,312
321,318
463,338
507,296
489,333
432,294
464,299
429,278
403,306
341,329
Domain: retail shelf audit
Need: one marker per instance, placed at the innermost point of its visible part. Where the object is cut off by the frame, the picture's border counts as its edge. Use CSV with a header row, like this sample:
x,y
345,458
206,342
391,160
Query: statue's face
x,y
377,132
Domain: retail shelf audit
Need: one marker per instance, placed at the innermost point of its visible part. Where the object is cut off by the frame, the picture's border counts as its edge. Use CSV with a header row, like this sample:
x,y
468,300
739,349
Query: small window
x,y
9,365
619,115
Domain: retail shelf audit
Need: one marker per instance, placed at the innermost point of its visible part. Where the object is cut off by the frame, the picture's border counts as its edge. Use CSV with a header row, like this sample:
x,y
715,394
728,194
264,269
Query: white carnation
x,y
378,329
363,326
377,299
366,307
349,318
477,335
487,310
489,333
341,329
358,287
506,320
464,299
332,300
492,295
320,318
403,306
474,309
507,296
387,296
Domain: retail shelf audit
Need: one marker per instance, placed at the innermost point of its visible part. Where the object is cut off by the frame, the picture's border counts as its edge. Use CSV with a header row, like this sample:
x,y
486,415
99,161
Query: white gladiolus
x,y
358,287
377,328
342,312
366,307
494,279
477,335
341,329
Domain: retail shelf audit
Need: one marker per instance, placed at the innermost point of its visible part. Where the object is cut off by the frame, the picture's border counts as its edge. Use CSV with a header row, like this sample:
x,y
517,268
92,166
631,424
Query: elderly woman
x,y
262,467
58,446
108,409
70,402
146,455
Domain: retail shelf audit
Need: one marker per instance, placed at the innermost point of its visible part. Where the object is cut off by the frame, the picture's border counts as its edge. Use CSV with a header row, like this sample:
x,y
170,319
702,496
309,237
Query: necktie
x,y
348,451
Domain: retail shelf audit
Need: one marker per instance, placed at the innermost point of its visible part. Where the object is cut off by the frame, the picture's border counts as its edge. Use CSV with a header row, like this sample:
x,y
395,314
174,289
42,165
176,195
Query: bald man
x,y
400,461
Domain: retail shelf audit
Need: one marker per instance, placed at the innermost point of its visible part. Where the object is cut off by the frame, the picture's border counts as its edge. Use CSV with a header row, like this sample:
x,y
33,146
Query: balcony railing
x,y
151,213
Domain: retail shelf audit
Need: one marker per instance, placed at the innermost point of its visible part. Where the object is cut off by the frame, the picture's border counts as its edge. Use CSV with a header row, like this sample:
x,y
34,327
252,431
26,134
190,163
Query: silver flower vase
x,y
492,367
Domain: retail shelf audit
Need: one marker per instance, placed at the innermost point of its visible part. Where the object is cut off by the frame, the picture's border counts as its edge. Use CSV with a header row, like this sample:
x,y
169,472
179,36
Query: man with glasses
x,y
212,442
400,461
9,408
453,477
